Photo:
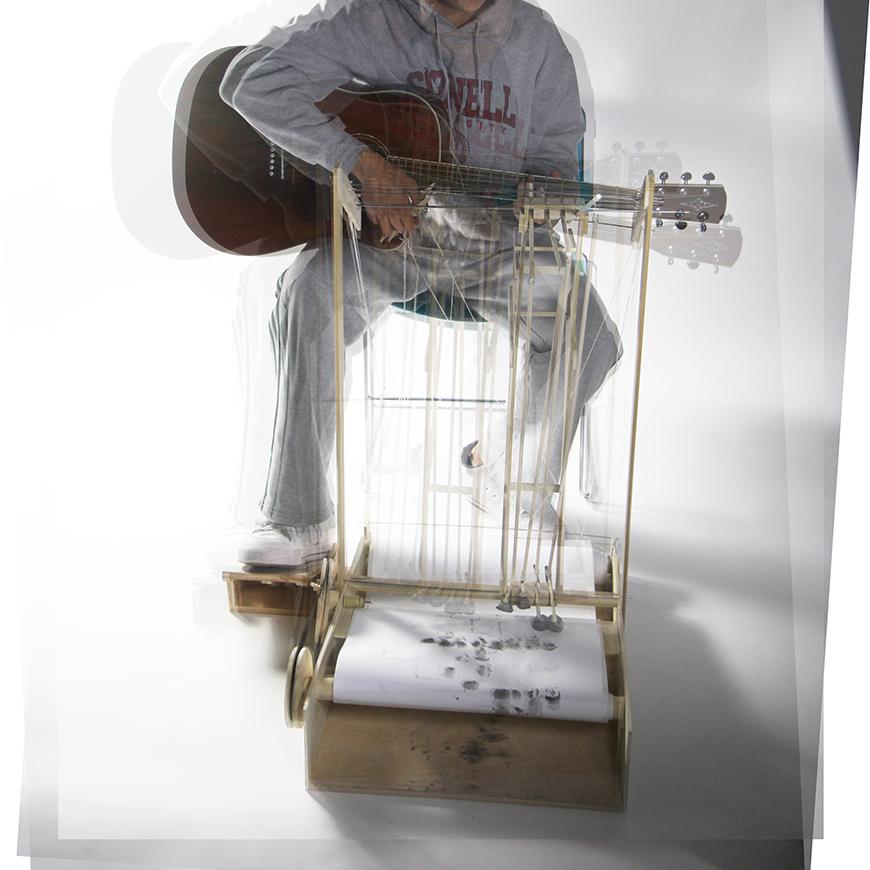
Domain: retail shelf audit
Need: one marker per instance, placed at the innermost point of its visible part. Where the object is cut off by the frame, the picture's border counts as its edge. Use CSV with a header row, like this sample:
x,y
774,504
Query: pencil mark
x,y
474,751
500,699
482,646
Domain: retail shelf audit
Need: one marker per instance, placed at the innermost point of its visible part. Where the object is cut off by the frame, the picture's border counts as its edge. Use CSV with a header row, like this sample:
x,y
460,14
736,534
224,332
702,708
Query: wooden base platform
x,y
278,593
467,756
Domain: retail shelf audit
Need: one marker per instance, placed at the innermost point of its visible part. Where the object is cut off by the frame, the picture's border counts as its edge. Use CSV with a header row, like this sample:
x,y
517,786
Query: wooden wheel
x,y
300,670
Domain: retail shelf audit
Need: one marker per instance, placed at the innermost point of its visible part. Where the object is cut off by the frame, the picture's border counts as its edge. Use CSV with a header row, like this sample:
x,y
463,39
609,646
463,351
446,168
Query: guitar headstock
x,y
628,167
719,246
687,203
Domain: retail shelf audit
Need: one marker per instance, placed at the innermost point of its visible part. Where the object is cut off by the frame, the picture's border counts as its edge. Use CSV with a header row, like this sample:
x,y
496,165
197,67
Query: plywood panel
x,y
468,756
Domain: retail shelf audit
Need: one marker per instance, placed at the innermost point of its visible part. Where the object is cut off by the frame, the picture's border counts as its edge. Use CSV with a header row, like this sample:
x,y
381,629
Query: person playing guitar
x,y
504,83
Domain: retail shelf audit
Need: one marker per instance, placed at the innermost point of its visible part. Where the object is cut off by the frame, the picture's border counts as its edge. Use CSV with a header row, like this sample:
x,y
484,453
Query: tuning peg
x,y
693,264
659,223
617,147
662,145
639,146
663,177
687,177
727,220
681,225
709,177
703,228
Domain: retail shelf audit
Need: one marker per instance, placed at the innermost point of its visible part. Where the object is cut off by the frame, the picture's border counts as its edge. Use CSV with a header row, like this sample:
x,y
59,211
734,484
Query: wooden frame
x,y
272,593
383,750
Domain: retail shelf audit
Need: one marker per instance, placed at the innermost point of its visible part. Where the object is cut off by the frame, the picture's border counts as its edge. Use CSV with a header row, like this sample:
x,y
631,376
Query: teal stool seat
x,y
440,307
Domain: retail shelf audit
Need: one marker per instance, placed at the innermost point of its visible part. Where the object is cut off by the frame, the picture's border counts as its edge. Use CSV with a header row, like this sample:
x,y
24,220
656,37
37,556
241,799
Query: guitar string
x,y
463,175
483,199
459,179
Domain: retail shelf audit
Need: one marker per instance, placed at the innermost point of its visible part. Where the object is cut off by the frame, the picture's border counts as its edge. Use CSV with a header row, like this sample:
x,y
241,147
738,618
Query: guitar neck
x,y
683,203
503,185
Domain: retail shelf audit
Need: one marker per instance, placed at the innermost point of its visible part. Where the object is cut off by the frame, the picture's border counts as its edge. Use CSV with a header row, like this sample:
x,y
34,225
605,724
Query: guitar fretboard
x,y
502,185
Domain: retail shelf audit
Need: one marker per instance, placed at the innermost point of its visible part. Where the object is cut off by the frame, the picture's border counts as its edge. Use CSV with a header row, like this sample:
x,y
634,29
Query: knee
x,y
303,286
602,340
612,339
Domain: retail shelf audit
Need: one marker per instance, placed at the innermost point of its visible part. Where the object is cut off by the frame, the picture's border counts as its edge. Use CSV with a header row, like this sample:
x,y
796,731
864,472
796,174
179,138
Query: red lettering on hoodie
x,y
472,109
474,98
433,75
488,114
457,86
508,118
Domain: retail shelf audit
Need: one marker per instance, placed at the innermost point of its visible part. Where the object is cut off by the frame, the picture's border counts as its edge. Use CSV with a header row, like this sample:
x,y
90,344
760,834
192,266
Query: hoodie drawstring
x,y
455,111
474,52
443,64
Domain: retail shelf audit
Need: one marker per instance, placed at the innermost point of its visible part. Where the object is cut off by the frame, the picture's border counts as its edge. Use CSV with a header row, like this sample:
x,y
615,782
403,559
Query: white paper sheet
x,y
421,657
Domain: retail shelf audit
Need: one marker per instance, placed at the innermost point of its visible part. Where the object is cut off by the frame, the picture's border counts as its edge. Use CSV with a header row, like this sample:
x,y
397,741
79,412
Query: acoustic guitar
x,y
242,194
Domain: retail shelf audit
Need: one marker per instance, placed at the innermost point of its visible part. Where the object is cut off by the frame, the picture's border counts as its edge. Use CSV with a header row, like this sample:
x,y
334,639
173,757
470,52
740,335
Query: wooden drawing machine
x,y
469,653
465,638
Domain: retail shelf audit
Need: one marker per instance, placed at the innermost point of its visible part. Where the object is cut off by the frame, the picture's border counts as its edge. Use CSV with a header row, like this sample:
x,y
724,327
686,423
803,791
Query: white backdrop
x,y
155,716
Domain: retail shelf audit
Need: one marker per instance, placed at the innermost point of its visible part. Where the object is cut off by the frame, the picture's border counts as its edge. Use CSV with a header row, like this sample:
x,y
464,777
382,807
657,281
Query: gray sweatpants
x,y
301,327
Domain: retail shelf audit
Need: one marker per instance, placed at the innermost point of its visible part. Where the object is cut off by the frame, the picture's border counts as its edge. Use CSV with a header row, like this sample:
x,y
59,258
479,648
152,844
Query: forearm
x,y
277,99
275,85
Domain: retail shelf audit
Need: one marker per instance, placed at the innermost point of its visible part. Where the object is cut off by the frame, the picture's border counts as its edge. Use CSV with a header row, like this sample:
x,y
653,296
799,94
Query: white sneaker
x,y
275,546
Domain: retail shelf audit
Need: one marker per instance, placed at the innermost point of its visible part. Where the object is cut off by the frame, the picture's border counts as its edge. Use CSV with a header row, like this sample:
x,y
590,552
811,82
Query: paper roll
x,y
416,656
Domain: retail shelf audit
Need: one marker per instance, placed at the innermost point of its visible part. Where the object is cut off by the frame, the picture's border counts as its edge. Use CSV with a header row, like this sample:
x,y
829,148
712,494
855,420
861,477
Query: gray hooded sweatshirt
x,y
505,79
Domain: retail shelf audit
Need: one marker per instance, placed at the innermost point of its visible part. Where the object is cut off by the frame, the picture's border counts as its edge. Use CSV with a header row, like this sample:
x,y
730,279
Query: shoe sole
x,y
307,561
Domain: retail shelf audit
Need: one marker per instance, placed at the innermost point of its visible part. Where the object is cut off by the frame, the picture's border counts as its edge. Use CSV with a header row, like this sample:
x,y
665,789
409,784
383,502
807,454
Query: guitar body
x,y
239,194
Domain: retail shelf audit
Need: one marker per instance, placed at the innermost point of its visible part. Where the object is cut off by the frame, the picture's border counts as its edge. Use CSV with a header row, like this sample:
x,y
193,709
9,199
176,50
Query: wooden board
x,y
467,756
272,593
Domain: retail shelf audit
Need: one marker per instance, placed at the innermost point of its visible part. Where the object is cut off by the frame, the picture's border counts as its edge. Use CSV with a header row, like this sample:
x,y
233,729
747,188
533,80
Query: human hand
x,y
388,195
